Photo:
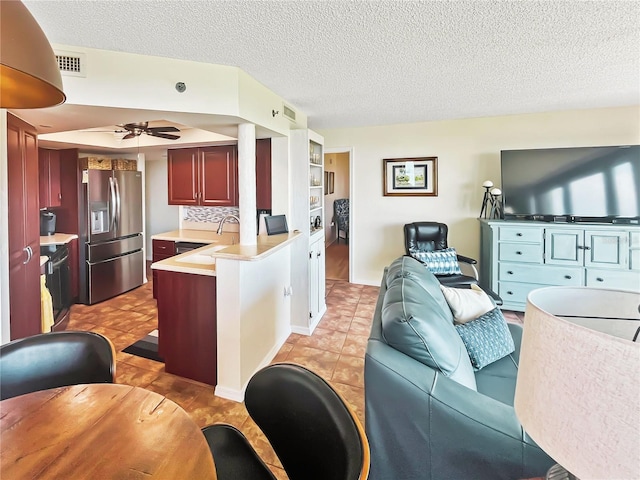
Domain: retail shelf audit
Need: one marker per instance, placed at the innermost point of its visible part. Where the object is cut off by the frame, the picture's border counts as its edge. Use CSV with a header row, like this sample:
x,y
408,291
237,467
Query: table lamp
x,y
486,199
578,387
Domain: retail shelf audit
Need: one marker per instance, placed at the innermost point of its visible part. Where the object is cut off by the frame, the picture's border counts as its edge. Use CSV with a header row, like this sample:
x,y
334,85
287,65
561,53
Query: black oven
x,y
58,280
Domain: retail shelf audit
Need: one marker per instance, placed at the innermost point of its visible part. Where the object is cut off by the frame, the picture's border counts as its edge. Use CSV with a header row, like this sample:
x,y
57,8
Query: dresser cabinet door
x,y
606,249
564,246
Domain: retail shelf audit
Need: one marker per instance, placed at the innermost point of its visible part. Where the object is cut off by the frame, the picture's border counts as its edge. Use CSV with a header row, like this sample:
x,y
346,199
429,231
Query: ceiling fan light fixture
x,y
137,129
29,73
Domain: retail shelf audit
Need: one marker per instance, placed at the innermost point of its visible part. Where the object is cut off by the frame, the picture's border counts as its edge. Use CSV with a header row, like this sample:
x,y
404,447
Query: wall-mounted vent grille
x,y
71,63
289,113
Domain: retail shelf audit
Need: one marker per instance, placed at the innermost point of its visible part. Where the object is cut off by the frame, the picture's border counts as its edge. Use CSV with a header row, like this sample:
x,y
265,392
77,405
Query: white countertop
x,y
266,245
57,239
198,236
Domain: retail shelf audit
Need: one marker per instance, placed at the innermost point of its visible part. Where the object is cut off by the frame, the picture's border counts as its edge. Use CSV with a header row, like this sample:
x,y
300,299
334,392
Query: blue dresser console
x,y
517,257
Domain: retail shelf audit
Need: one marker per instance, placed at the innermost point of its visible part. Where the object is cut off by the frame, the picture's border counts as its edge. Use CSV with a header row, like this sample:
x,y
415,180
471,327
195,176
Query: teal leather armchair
x,y
431,424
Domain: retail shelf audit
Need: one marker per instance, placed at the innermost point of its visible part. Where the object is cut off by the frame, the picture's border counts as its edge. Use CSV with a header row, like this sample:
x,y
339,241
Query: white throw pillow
x,y
467,304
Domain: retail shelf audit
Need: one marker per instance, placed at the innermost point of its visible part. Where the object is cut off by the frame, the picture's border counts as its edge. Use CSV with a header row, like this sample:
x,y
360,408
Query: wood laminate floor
x,y
337,261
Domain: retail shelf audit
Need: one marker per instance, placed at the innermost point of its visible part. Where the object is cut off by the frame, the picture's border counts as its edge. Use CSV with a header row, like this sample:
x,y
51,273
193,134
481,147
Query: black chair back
x,y
308,424
53,360
425,236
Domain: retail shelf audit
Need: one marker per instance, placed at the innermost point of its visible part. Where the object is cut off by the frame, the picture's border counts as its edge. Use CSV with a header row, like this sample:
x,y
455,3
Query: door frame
x,y
352,203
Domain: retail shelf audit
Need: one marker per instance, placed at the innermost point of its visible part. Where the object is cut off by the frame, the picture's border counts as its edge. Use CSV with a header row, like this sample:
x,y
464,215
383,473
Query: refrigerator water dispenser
x,y
99,219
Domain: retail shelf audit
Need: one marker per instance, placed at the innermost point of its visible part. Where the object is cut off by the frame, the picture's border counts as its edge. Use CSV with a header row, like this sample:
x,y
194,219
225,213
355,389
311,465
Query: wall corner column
x,y
247,183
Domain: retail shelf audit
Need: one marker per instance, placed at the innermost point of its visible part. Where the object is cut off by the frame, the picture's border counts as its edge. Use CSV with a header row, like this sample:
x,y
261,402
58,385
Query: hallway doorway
x,y
337,161
337,261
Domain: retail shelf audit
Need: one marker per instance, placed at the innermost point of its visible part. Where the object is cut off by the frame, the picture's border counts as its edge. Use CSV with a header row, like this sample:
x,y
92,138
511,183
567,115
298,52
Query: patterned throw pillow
x,y
440,262
487,338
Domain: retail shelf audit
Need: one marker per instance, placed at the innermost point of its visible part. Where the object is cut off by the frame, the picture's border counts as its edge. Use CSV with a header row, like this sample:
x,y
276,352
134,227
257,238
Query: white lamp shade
x,y
487,184
496,191
578,387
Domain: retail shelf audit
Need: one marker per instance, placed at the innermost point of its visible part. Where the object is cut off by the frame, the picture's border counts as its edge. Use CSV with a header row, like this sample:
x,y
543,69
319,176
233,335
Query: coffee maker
x,y
47,223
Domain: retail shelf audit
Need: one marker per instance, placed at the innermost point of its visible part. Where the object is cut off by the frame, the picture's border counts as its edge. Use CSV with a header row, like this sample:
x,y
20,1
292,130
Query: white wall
x,y
468,153
160,217
5,333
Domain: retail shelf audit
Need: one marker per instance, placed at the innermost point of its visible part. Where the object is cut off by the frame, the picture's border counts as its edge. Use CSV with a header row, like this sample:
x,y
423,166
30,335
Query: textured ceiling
x,y
352,63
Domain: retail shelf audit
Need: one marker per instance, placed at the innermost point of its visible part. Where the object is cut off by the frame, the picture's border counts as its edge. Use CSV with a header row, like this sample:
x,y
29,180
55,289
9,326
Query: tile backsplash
x,y
209,214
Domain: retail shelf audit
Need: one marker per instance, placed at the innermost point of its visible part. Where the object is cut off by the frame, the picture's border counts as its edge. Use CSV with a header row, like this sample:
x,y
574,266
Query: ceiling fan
x,y
137,129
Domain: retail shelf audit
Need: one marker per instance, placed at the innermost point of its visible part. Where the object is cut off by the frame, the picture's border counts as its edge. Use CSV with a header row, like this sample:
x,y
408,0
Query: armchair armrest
x,y
494,296
471,262
462,258
437,422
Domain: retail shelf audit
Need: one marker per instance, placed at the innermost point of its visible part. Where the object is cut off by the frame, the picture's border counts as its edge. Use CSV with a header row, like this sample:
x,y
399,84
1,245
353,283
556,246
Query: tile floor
x,y
335,351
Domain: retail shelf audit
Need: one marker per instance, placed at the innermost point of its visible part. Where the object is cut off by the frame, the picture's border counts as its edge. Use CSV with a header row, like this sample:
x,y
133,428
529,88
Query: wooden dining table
x,y
100,431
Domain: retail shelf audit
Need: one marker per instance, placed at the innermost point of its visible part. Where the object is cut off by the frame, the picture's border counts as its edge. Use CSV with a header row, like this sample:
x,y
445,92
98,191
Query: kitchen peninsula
x,y
223,309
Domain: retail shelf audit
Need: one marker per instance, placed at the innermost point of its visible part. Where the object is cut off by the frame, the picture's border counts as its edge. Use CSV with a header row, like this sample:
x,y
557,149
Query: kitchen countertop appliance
x,y
111,240
47,223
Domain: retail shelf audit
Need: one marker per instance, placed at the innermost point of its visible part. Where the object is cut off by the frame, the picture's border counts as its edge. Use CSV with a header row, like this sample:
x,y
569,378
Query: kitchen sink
x,y
202,257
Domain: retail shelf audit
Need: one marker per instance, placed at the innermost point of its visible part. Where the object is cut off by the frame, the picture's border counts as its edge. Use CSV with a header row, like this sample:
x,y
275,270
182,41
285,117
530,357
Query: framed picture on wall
x,y
410,177
328,183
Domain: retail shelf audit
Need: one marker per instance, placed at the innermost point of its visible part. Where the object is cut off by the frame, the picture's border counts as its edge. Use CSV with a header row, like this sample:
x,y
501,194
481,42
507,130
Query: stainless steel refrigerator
x,y
111,257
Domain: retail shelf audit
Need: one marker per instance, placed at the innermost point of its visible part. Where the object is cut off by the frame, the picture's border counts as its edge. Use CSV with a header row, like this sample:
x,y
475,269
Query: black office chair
x,y
57,359
313,431
432,236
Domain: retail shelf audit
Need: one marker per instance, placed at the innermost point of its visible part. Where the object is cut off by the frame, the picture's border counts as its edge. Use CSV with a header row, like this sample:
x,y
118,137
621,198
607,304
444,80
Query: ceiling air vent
x,y
289,113
71,63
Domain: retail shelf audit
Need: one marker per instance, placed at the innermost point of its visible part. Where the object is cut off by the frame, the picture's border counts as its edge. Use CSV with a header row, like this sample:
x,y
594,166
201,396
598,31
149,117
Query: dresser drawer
x,y
512,292
613,279
540,274
520,234
520,252
634,239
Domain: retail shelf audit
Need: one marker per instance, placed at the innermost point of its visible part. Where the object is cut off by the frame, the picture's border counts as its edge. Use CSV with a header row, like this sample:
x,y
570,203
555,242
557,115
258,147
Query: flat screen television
x,y
582,184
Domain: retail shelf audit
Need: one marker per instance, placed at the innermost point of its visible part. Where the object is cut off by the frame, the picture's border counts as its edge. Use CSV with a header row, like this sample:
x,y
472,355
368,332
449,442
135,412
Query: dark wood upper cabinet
x,y
24,229
219,175
49,178
203,176
208,176
263,174
183,173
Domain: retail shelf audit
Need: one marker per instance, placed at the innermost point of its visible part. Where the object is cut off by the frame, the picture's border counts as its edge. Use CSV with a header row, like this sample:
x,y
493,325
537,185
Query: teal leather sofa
x,y
428,415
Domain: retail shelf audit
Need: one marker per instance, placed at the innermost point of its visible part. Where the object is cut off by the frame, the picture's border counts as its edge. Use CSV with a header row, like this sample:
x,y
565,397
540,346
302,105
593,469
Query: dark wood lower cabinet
x,y
161,249
24,228
187,337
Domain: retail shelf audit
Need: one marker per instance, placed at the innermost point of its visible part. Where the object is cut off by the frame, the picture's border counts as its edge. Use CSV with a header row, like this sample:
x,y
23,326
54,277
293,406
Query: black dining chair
x,y
312,430
56,359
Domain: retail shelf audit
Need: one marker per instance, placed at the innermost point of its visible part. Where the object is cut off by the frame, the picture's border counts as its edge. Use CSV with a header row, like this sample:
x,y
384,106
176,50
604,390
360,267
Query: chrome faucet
x,y
227,217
